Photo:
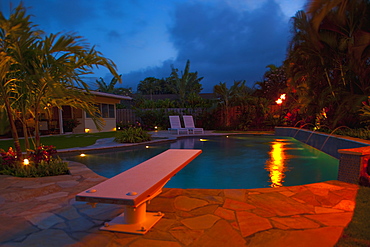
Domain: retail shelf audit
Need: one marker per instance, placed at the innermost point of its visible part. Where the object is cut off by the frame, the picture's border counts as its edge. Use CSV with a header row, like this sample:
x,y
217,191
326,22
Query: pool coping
x,y
108,143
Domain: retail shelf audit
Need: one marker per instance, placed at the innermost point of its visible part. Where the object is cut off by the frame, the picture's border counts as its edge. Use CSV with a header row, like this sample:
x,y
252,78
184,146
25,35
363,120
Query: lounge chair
x,y
189,124
176,125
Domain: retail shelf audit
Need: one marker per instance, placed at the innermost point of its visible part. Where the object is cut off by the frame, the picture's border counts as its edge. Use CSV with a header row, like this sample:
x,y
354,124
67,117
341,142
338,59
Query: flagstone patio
x,y
43,212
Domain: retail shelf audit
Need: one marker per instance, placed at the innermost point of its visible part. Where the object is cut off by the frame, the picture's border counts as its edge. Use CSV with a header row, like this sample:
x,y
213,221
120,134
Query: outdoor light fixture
x,y
155,127
280,100
26,162
82,155
87,130
146,146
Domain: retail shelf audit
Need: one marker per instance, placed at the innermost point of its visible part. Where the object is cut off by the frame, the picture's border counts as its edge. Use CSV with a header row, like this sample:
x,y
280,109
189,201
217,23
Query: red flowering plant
x,y
42,153
8,158
39,163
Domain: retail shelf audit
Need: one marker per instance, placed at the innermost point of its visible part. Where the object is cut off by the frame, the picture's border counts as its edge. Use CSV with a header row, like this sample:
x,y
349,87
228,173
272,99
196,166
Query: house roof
x,y
109,95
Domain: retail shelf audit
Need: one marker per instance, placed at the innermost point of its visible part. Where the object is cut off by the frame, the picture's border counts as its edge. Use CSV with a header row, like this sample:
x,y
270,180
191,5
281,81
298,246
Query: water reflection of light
x,y
276,165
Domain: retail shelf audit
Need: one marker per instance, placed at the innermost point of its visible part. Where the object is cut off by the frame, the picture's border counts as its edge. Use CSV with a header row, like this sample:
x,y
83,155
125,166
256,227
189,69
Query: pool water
x,y
233,162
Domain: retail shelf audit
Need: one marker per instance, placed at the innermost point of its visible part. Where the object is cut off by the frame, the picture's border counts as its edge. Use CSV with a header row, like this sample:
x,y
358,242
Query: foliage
x,y
132,135
232,100
103,87
327,62
53,168
70,124
152,118
110,88
185,83
152,85
274,83
150,104
41,163
39,72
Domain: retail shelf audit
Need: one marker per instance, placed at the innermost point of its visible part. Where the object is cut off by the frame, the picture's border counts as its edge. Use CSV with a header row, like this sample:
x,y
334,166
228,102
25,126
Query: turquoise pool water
x,y
233,162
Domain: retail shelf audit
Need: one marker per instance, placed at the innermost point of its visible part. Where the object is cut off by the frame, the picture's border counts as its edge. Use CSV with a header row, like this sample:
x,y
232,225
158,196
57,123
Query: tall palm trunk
x,y
13,130
25,133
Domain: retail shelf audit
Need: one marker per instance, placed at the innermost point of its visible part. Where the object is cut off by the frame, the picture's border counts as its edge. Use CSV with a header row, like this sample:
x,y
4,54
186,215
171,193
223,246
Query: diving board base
x,y
118,225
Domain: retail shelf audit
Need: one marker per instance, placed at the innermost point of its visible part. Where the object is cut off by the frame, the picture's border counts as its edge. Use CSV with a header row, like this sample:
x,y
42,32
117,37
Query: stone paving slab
x,y
43,212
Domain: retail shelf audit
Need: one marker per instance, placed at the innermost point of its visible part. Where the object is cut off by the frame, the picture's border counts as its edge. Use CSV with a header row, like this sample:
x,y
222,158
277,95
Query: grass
x,y
64,141
357,233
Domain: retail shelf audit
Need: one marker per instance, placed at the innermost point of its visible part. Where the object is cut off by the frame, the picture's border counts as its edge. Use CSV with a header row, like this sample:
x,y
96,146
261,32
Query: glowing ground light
x,y
87,130
26,162
82,155
146,146
203,140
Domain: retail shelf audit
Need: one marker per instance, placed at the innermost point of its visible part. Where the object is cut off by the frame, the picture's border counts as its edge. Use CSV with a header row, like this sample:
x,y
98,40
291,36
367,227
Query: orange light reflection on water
x,y
276,165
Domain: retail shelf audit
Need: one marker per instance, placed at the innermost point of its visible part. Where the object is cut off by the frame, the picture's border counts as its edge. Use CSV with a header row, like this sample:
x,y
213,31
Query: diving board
x,y
134,187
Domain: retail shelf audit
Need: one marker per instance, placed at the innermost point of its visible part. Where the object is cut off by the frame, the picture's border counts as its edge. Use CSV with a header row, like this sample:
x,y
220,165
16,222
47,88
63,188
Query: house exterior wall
x,y
87,124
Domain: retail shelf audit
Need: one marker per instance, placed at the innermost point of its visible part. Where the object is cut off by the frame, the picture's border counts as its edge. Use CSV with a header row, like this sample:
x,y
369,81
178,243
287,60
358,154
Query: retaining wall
x,y
324,142
353,153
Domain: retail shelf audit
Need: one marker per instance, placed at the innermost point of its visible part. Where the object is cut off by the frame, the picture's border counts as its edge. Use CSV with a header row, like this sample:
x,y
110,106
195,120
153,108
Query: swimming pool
x,y
228,162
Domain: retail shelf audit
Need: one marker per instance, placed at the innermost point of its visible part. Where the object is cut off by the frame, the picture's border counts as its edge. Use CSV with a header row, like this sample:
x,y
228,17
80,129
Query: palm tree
x,y
348,22
103,87
328,57
185,84
228,97
16,34
42,73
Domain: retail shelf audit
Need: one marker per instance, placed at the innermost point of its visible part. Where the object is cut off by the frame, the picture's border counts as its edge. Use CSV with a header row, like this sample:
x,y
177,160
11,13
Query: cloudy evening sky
x,y
225,40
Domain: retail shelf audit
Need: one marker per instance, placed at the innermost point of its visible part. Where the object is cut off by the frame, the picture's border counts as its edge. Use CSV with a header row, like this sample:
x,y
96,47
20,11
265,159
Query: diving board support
x,y
135,219
135,187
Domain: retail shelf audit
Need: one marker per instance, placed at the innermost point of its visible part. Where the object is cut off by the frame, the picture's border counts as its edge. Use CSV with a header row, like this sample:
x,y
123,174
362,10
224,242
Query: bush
x,y
152,118
41,163
132,135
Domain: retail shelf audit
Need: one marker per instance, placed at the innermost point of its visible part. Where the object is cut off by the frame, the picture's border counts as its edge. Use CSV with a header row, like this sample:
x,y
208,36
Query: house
x,y
63,117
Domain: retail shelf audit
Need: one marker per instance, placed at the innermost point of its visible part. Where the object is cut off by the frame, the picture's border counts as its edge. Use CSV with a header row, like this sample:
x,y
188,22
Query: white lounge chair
x,y
176,125
189,124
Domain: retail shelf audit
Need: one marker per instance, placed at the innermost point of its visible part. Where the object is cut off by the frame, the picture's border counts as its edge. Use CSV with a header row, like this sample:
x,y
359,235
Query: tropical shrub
x,y
152,118
132,135
39,163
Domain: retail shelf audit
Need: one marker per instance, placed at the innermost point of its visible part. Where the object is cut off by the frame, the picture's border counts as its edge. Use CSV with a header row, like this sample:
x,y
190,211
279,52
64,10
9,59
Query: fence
x,y
128,116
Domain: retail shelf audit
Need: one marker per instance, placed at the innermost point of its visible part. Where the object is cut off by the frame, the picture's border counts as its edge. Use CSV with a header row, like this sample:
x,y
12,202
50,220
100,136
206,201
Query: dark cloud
x,y
223,43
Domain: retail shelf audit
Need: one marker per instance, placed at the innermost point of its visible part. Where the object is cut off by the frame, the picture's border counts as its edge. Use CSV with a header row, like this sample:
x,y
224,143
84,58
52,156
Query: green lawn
x,y
64,141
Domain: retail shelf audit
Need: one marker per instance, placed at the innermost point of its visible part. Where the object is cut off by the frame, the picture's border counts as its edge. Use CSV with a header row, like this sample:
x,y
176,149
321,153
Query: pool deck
x,y
43,212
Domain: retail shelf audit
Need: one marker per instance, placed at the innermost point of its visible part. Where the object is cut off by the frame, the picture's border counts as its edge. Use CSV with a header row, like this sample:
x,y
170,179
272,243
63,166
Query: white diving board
x,y
134,187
